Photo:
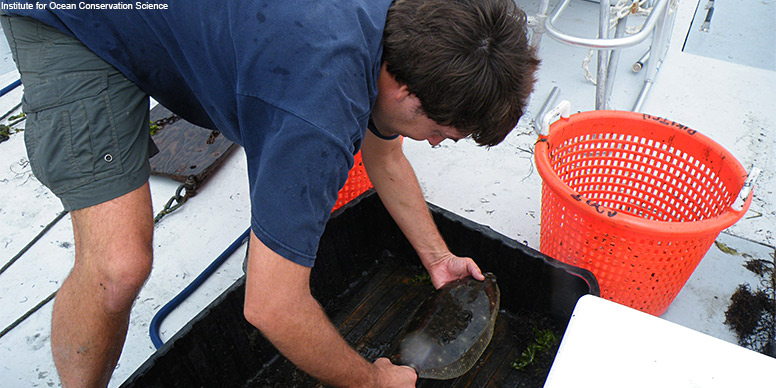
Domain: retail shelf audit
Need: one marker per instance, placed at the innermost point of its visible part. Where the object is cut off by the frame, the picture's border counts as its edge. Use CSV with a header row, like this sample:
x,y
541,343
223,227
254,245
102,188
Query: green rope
x,y
32,242
14,259
27,314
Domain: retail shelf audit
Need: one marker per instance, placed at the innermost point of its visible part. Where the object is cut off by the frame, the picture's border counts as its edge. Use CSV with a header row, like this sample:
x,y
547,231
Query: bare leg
x,y
113,245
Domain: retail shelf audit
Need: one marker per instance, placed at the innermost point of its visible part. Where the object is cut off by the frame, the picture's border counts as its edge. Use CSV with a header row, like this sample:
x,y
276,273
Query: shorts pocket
x,y
70,137
63,90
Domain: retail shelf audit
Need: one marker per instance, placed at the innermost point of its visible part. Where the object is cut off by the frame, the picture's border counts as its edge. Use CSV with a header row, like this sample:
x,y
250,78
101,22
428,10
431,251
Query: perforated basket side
x,y
644,175
358,182
635,199
641,271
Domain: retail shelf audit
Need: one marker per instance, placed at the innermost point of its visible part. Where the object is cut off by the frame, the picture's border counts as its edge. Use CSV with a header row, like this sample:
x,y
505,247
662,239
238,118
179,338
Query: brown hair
x,y
468,62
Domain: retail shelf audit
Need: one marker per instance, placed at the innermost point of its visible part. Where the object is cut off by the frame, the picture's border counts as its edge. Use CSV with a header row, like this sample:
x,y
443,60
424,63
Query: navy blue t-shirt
x,y
291,81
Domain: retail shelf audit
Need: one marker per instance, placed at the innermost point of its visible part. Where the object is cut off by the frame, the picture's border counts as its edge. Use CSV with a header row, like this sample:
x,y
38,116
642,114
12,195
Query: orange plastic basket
x,y
637,200
357,183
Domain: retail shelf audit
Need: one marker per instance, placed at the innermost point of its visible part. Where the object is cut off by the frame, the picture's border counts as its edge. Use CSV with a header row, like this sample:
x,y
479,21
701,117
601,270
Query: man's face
x,y
420,127
408,119
398,112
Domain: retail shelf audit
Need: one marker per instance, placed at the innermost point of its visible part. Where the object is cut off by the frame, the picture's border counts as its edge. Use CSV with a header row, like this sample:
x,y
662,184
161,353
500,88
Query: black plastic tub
x,y
369,279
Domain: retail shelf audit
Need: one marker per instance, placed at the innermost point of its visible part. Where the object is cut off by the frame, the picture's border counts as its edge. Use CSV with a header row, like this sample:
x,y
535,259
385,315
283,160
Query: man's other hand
x,y
394,376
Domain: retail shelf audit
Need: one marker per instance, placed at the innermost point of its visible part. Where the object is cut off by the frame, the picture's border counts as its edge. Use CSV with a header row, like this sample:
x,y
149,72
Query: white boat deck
x,y
727,94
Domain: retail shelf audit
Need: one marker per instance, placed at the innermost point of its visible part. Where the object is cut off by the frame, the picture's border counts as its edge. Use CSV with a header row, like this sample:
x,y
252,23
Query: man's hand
x,y
450,267
394,376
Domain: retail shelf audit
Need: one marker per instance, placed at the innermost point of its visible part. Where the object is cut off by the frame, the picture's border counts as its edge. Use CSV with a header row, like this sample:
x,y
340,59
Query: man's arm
x,y
278,302
398,187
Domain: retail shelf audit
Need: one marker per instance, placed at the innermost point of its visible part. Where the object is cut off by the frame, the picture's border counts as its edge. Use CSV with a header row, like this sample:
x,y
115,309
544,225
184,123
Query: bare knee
x,y
114,248
114,266
121,278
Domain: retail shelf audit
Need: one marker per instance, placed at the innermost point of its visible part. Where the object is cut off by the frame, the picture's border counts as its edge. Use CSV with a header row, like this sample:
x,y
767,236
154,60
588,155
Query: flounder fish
x,y
450,330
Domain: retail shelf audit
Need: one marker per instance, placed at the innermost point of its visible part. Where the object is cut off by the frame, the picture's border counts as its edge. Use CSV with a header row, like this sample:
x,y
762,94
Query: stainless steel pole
x,y
658,51
603,33
614,59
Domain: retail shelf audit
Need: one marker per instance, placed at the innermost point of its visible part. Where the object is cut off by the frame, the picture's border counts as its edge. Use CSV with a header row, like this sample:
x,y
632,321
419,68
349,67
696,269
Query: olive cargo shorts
x,y
87,129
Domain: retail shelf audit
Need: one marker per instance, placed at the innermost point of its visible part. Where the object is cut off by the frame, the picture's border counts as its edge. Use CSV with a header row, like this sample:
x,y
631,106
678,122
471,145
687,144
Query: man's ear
x,y
388,85
402,92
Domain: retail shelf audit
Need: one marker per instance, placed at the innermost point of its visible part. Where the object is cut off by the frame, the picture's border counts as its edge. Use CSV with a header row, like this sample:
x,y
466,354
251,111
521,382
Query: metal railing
x,y
603,43
659,24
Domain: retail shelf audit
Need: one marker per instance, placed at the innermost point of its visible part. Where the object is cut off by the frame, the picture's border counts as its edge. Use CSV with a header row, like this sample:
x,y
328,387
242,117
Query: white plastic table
x,y
610,345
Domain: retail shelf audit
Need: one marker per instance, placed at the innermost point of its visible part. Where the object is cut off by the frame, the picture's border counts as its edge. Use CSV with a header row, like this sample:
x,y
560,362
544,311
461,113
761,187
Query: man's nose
x,y
435,140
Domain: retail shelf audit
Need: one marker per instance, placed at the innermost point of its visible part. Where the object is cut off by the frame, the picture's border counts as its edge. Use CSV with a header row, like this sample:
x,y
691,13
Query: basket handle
x,y
563,109
751,179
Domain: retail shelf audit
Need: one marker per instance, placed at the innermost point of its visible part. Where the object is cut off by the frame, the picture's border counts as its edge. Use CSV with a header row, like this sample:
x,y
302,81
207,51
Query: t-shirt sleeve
x,y
295,171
